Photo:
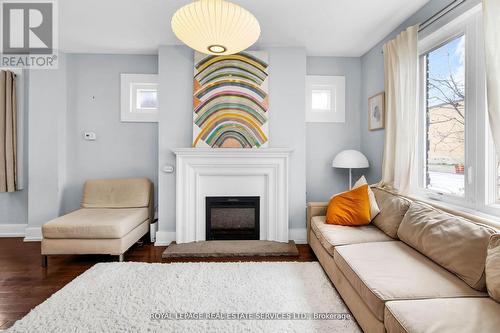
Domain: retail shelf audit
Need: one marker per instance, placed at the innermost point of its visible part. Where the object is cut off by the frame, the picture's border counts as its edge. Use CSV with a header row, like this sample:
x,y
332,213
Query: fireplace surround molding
x,y
202,172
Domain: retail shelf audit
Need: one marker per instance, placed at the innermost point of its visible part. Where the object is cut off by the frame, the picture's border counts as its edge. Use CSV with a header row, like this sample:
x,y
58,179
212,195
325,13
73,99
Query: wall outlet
x,y
89,136
168,168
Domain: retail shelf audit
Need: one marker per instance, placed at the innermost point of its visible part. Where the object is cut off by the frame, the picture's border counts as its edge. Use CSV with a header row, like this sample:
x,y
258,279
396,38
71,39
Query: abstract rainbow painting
x,y
231,101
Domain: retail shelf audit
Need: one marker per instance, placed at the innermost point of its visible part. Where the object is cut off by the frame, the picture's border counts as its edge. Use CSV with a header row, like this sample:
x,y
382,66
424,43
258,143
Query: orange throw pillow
x,y
349,208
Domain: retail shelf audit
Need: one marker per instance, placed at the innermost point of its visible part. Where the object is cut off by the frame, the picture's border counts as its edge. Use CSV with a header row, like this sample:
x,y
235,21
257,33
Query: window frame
x,y
130,85
426,45
336,86
480,168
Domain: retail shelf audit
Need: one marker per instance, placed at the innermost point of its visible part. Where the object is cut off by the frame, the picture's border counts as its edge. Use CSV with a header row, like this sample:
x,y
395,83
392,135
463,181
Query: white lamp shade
x,y
350,159
215,27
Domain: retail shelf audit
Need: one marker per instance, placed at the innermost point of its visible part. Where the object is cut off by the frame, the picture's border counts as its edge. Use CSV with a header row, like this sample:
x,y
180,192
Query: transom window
x,y
325,99
139,97
147,99
321,99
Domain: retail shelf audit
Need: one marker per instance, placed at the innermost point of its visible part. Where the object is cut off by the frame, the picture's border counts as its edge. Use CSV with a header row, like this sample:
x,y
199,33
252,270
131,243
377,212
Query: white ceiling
x,y
323,27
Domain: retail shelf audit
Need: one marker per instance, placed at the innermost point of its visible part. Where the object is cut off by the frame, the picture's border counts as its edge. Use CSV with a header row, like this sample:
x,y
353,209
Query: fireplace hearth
x,y
232,218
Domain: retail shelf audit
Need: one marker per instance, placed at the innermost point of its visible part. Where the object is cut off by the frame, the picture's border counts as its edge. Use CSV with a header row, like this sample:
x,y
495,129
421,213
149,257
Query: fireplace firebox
x,y
232,218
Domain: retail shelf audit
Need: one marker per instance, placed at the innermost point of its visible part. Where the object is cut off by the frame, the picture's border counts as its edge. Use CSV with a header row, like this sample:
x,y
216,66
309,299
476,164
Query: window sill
x,y
495,219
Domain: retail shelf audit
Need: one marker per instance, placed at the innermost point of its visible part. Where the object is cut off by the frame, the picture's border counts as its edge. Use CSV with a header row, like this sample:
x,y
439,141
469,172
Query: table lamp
x,y
350,159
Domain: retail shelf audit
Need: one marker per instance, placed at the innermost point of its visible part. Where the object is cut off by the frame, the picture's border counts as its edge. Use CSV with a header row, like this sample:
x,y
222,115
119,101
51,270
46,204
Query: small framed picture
x,y
376,112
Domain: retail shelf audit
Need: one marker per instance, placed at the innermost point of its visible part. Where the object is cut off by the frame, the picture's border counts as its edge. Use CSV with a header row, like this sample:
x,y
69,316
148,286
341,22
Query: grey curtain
x,y
8,135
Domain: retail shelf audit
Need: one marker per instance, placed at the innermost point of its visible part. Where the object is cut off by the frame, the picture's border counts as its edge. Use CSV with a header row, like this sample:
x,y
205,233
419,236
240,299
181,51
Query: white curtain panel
x,y
491,13
400,64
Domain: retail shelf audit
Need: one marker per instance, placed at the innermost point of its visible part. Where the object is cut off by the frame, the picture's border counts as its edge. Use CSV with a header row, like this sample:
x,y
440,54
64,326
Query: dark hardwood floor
x,y
24,283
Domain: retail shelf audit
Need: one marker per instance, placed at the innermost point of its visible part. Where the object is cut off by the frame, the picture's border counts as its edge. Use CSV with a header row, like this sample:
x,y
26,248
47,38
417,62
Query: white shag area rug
x,y
141,297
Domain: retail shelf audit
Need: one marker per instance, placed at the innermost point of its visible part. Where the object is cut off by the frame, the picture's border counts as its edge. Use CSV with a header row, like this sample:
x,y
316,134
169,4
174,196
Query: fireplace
x,y
207,172
232,218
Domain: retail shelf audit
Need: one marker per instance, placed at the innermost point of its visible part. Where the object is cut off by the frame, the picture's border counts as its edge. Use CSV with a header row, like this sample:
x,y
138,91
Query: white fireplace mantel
x,y
202,172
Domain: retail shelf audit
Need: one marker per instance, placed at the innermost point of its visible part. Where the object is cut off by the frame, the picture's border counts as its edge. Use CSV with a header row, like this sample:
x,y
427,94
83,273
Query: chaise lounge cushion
x,y
457,244
95,223
385,271
392,210
117,193
331,235
445,315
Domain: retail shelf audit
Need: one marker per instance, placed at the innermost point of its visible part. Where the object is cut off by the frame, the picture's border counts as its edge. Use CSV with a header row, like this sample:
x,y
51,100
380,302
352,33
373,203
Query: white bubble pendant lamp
x,y
215,27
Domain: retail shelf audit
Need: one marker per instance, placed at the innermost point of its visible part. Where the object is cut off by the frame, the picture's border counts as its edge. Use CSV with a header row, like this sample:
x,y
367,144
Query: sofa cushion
x,y
493,267
331,235
387,271
392,209
455,243
443,315
350,208
117,193
374,210
93,223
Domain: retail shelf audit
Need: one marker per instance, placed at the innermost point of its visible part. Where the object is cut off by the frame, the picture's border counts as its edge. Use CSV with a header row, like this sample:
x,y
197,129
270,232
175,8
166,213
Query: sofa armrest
x,y
315,209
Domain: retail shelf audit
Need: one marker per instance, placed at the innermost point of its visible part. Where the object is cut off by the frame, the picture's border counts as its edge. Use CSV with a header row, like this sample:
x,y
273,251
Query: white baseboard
x,y
164,238
12,230
298,235
33,234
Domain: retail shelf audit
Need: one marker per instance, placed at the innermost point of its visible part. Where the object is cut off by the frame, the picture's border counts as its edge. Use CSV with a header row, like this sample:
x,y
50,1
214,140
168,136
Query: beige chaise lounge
x,y
414,269
114,215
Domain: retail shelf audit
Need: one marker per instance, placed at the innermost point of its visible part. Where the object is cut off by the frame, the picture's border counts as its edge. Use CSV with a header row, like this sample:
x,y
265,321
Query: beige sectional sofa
x,y
114,214
415,268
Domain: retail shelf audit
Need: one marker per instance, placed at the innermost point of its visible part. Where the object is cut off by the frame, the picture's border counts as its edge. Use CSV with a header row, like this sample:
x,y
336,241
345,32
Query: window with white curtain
x,y
457,160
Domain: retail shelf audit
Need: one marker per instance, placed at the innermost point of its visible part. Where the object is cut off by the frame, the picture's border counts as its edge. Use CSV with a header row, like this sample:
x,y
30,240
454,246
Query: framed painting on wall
x,y
376,112
230,100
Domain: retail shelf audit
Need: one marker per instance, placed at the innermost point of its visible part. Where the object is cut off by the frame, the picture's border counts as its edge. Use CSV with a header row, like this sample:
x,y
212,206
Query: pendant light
x,y
215,27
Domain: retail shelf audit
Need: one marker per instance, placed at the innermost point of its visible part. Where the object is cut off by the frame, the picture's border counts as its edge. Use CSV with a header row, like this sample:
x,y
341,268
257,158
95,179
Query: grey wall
x,y
175,122
325,140
372,63
83,94
287,71
286,121
121,149
46,139
14,207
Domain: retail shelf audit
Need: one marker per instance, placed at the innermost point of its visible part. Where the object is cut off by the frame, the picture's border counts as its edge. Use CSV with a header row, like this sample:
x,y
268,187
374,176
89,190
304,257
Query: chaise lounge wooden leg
x,y
44,261
121,257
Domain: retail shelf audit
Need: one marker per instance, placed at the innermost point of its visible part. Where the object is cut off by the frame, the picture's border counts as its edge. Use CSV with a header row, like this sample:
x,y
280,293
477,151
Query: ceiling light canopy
x,y
215,27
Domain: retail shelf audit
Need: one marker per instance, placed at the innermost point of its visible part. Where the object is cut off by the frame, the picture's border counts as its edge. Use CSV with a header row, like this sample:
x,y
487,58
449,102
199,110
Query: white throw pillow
x,y
374,210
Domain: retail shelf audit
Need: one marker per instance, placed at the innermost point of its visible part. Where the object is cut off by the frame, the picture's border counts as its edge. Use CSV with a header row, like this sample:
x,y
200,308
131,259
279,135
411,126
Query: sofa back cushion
x,y
493,268
457,244
392,210
117,193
